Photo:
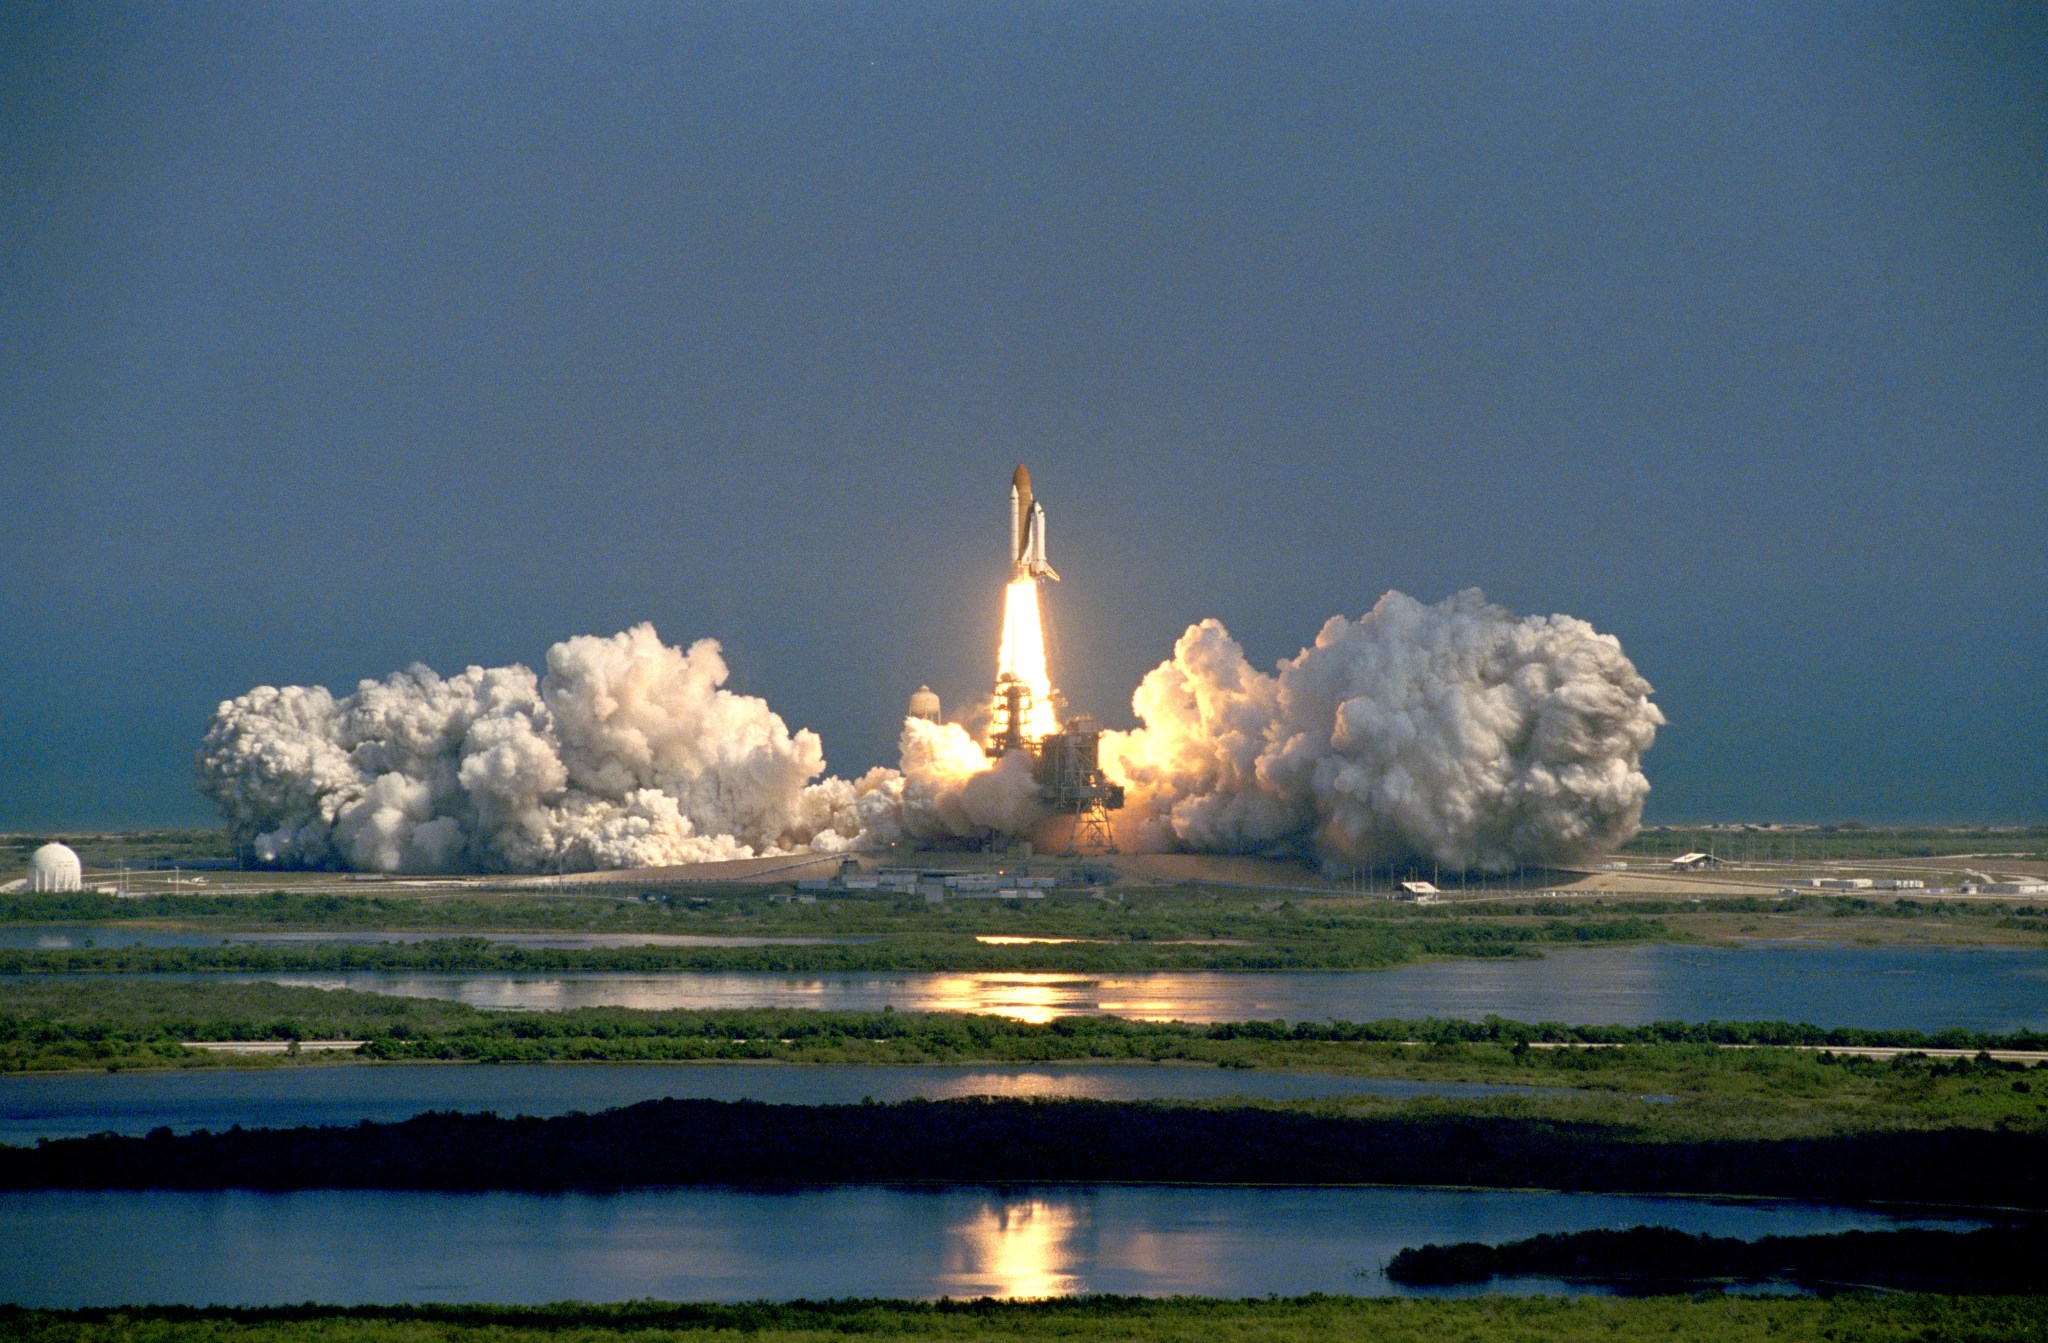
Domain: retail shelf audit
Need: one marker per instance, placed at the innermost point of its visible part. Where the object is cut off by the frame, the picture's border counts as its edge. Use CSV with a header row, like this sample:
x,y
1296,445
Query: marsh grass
x,y
1672,1079
1317,1319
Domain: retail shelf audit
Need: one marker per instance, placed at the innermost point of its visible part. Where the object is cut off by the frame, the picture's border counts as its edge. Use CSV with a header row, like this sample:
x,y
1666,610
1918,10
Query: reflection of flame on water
x,y
1145,1009
1018,1248
1019,940
1032,998
1035,997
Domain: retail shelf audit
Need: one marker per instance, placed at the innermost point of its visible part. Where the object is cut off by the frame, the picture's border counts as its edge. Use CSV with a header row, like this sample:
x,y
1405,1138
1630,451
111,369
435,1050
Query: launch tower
x,y
1071,782
1066,758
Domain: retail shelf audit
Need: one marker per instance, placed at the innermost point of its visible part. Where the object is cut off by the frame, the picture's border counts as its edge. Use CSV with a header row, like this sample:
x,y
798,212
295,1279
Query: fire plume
x,y
1022,655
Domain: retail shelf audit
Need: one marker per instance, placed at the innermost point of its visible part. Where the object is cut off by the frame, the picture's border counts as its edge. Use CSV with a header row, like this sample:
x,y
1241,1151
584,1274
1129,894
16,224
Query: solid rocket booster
x,y
1027,531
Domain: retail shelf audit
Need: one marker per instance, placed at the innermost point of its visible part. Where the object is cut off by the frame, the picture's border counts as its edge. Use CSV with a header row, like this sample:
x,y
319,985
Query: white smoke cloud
x,y
627,753
1456,733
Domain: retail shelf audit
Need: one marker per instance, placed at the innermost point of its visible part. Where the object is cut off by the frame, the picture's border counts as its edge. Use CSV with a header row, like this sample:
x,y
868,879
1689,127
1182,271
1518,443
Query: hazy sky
x,y
335,337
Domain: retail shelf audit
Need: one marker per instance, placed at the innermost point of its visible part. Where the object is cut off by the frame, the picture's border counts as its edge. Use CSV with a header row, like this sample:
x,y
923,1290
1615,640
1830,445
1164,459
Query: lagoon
x,y
71,1249
1996,989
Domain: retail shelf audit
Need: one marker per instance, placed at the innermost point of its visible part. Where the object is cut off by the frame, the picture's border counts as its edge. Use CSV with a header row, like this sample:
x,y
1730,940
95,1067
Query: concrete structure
x,y
55,868
1071,783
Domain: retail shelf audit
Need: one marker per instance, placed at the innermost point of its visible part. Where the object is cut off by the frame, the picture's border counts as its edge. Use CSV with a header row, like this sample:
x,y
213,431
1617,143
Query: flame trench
x,y
1022,655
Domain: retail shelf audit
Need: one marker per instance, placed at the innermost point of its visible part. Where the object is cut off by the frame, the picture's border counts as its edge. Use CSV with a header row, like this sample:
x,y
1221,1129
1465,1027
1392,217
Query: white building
x,y
55,868
1421,892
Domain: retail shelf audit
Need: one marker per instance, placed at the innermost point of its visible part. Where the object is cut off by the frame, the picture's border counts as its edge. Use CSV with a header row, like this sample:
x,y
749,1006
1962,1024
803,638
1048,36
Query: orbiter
x,y
1027,531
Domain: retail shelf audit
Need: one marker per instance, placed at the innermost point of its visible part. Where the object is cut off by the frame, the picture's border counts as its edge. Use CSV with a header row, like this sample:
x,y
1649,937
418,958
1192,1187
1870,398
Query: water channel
x,y
1917,988
80,1249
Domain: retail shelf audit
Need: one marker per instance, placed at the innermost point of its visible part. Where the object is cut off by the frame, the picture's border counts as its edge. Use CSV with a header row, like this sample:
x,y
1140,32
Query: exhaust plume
x,y
627,753
1021,655
1457,734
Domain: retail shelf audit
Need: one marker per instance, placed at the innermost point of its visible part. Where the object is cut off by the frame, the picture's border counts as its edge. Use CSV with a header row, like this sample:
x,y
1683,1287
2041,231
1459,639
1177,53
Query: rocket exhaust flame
x,y
1021,657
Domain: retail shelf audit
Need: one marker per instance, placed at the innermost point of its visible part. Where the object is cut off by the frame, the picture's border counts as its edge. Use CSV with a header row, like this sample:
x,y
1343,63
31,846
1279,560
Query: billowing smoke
x,y
1456,733
626,753
952,790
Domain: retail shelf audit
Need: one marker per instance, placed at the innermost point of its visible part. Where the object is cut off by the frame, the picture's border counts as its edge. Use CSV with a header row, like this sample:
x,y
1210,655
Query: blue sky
x,y
334,338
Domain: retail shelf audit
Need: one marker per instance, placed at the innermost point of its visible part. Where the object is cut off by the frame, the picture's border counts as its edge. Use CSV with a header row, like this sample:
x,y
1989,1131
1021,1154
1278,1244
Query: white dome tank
x,y
54,868
925,704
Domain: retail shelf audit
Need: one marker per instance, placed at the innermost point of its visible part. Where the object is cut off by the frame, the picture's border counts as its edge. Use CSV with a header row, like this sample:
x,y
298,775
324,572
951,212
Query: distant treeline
x,y
1648,1258
1154,911
985,1141
1363,947
1114,1037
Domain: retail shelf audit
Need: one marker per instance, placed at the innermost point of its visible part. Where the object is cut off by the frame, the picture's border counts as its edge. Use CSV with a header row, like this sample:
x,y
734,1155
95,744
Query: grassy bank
x,y
1139,914
2006,1260
1845,842
1151,915
1148,928
983,1141
1705,1090
1868,1319
1362,947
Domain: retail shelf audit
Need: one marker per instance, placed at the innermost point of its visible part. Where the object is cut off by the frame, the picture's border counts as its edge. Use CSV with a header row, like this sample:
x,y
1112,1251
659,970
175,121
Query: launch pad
x,y
1066,757
1067,765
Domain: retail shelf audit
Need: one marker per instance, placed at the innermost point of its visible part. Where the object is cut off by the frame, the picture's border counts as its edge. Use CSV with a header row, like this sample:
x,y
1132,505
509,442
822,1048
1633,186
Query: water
x,y
70,1105
1916,988
75,936
68,1249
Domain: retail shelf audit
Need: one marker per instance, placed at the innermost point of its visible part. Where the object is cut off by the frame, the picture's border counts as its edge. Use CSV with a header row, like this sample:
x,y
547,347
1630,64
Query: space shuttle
x,y
1027,531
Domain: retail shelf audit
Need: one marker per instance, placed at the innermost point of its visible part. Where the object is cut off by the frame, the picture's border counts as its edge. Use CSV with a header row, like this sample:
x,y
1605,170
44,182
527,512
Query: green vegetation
x,y
1178,927
996,1141
2004,1259
1163,929
1704,1090
1848,842
1315,1319
136,848
1358,946
1160,914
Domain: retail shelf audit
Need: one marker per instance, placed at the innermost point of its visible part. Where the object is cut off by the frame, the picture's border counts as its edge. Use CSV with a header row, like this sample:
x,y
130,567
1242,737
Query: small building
x,y
53,868
1421,892
1693,862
